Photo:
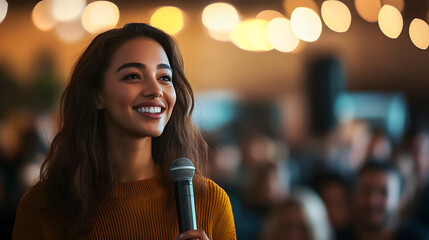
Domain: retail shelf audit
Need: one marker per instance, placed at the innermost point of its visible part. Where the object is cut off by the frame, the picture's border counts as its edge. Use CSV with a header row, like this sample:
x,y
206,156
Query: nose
x,y
152,88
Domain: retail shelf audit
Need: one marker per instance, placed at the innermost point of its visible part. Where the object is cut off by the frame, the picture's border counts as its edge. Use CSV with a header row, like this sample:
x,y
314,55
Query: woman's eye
x,y
166,78
131,76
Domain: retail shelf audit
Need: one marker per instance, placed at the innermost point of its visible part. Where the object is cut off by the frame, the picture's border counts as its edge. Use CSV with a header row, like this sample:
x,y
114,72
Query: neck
x,y
132,156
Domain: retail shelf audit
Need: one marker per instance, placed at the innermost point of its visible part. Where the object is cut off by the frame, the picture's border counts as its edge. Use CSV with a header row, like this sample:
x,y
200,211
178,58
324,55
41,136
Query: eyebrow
x,y
143,66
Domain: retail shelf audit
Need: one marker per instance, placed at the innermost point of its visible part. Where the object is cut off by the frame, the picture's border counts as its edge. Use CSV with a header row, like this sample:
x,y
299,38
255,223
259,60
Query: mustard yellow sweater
x,y
134,210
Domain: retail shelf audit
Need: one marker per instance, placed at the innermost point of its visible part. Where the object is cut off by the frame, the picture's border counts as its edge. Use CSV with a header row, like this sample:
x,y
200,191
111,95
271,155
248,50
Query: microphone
x,y
182,171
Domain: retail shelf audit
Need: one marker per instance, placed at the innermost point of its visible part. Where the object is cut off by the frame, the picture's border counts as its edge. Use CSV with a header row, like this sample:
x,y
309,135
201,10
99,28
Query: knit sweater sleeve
x,y
222,220
28,217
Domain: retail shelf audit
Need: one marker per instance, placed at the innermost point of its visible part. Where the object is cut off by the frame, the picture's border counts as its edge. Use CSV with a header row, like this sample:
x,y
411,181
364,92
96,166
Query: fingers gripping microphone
x,y
182,171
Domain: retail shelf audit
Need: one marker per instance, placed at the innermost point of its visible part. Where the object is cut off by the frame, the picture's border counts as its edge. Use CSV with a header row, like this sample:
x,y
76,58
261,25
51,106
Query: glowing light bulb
x,y
306,24
251,35
291,5
336,15
169,19
390,21
256,33
42,17
269,15
3,10
220,19
419,33
281,36
67,10
99,16
70,31
368,9
238,36
398,4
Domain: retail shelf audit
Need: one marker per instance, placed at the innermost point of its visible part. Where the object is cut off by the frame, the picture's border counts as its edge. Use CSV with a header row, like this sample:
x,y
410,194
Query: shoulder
x,y
35,196
216,205
28,220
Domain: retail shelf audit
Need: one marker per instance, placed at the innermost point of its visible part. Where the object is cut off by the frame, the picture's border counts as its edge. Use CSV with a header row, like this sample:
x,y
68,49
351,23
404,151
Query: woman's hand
x,y
192,234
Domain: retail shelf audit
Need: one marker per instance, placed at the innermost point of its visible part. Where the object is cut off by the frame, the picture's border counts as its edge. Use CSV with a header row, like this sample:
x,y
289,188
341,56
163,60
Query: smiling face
x,y
138,95
377,198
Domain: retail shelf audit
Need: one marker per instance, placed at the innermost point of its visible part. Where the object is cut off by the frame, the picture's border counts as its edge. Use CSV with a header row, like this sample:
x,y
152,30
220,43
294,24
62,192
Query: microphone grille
x,y
182,169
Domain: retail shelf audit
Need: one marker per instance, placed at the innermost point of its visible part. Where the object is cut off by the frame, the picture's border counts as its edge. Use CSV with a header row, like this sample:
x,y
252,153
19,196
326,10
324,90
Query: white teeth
x,y
149,109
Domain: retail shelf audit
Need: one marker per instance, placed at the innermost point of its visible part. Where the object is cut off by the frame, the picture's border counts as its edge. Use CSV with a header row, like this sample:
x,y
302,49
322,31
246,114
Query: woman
x,y
125,116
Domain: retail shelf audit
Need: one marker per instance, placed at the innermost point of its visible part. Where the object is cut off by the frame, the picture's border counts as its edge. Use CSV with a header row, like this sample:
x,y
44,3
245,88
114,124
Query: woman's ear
x,y
99,102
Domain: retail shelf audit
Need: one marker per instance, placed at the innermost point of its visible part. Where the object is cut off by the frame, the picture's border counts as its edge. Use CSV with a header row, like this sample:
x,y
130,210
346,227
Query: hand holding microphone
x,y
182,171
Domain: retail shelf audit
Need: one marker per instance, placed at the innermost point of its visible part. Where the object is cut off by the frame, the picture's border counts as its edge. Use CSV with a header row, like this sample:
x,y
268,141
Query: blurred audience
x,y
335,193
378,194
302,216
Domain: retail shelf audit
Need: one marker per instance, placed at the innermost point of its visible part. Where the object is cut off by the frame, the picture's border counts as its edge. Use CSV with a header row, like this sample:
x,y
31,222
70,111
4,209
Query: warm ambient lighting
x,y
306,24
3,10
419,33
99,16
269,15
251,35
281,36
67,10
291,5
336,15
42,17
390,21
368,9
70,31
168,19
220,19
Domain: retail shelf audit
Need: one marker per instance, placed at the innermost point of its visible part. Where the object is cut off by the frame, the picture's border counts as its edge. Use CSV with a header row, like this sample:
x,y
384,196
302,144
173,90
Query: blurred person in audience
x,y
380,146
335,193
420,156
265,187
378,195
302,216
266,175
352,144
19,146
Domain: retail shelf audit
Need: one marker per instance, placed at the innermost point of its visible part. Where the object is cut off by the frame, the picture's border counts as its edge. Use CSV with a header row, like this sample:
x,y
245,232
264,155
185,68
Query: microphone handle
x,y
185,205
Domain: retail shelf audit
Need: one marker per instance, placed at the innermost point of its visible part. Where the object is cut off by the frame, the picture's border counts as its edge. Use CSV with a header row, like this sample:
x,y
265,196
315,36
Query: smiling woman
x,y
125,116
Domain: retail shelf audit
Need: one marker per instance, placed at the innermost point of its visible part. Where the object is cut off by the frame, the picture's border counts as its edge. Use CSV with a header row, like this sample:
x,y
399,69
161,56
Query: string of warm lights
x,y
270,29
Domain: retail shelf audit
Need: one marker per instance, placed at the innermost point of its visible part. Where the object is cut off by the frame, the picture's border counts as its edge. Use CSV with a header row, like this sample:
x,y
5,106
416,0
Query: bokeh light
x,y
269,15
256,32
419,33
3,10
398,4
336,15
281,36
251,35
306,24
291,5
99,16
70,32
169,19
67,10
220,19
368,9
390,21
42,17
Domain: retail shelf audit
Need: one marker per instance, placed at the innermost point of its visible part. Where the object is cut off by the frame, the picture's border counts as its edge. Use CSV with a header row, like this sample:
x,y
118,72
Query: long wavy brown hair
x,y
78,172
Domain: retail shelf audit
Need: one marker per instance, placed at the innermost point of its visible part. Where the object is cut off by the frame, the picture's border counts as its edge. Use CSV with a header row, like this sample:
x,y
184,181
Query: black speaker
x,y
325,81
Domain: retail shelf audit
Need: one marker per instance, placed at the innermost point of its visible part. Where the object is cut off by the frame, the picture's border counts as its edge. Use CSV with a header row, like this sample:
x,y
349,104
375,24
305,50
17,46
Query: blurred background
x,y
293,96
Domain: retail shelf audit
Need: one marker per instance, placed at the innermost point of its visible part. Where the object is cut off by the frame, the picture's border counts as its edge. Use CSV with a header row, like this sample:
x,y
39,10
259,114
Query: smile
x,y
149,109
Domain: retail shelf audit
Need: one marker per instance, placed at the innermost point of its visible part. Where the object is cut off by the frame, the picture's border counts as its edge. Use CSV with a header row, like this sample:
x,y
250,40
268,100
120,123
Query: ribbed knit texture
x,y
134,210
